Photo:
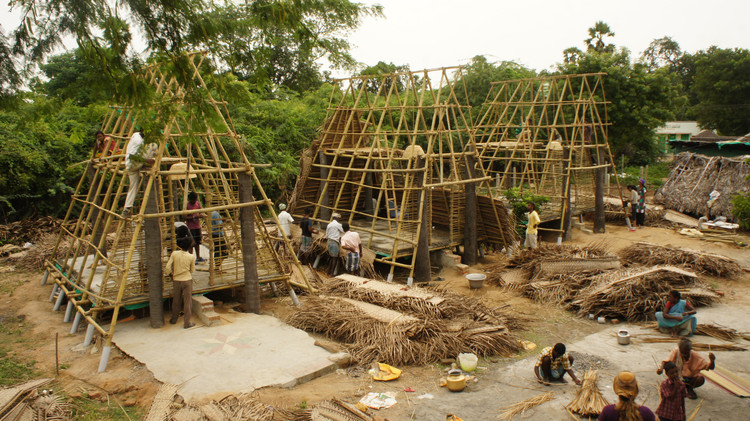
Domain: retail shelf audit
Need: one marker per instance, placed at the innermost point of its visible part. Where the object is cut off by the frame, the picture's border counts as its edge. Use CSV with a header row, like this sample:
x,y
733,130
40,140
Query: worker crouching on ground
x,y
678,317
553,363
181,265
352,246
625,387
531,227
334,231
690,365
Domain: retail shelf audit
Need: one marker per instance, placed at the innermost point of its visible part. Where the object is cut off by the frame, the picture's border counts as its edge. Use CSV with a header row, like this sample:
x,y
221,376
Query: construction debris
x,y
531,259
653,254
520,408
589,400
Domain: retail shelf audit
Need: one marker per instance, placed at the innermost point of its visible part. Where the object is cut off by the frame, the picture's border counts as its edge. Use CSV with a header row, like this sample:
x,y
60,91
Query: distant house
x,y
675,131
707,142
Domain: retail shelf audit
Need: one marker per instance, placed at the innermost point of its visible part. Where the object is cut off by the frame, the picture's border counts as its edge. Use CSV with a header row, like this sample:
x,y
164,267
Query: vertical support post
x,y
59,301
470,222
325,211
249,256
44,278
89,335
76,322
68,312
106,349
152,256
599,220
369,207
54,291
422,256
568,212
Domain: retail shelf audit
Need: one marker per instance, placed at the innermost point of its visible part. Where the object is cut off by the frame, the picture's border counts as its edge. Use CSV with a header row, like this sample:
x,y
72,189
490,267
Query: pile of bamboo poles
x,y
589,400
709,329
697,346
530,259
652,254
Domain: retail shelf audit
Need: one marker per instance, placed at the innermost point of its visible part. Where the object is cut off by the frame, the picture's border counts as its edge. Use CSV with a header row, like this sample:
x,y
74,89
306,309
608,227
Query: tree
x,y
640,100
662,52
480,74
383,68
596,40
719,84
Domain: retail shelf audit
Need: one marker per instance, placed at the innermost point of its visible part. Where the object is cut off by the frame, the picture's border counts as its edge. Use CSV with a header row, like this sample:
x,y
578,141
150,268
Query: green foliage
x,y
13,330
657,173
741,209
480,74
641,100
12,370
94,410
596,42
721,89
519,201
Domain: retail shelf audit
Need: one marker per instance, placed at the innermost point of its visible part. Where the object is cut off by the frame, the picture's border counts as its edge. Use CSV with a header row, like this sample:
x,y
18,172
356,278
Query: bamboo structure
x,y
547,136
105,264
394,157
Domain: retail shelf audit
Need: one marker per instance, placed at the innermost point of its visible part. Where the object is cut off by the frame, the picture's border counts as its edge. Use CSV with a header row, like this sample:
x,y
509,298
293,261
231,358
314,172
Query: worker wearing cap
x,y
334,231
285,220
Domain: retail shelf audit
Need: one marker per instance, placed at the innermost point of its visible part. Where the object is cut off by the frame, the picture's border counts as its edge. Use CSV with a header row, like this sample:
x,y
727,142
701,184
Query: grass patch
x,y
657,173
13,370
93,410
8,286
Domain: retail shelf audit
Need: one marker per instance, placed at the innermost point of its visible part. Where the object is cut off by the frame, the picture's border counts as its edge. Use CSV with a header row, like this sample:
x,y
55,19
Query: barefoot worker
x,y
690,365
553,363
678,317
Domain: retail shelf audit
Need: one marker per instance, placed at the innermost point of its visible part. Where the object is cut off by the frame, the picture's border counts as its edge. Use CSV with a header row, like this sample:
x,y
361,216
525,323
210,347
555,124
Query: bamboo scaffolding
x,y
103,268
528,127
390,157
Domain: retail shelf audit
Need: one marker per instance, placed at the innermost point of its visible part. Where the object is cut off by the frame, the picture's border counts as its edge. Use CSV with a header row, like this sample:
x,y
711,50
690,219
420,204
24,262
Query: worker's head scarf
x,y
642,181
626,388
282,206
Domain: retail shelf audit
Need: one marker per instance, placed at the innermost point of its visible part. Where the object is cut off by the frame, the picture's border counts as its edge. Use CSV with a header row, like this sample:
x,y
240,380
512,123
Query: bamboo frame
x,y
96,280
359,165
519,123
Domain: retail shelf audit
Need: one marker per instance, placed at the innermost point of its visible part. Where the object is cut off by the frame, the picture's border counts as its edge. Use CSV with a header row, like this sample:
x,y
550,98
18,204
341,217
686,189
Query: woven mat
x,y
390,288
162,403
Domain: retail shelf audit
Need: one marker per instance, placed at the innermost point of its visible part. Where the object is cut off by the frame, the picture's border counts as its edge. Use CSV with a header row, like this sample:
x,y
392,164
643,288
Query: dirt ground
x,y
131,385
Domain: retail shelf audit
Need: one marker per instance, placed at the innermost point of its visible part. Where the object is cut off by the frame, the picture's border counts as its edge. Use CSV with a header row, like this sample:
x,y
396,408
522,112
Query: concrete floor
x,y
505,385
246,352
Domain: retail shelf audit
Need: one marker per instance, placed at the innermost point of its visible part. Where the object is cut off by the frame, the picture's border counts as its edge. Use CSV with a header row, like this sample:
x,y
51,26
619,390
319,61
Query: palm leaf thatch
x,y
589,400
645,253
636,293
520,408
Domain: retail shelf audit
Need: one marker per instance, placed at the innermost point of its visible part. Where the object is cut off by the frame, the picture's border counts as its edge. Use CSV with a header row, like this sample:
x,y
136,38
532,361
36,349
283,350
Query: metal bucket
x,y
623,337
476,280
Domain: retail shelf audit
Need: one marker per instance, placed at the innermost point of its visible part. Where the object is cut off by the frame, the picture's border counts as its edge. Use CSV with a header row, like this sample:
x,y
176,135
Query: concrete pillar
x,y
369,206
54,291
599,217
153,261
422,256
44,278
59,301
76,322
566,217
89,335
68,312
106,350
249,257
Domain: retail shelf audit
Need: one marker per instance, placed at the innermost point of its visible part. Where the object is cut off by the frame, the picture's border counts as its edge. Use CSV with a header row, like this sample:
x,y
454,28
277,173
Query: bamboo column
x,y
422,256
567,211
470,209
599,221
249,257
152,256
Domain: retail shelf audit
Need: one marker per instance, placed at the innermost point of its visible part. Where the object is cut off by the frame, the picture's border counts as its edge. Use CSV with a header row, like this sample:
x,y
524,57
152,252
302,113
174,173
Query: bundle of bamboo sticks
x,y
589,400
520,408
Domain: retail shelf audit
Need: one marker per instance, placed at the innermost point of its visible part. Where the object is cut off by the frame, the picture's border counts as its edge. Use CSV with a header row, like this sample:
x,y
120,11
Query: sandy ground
x,y
499,382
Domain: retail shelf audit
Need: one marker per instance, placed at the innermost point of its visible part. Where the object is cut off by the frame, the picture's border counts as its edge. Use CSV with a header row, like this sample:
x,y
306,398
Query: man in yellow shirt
x,y
181,266
531,228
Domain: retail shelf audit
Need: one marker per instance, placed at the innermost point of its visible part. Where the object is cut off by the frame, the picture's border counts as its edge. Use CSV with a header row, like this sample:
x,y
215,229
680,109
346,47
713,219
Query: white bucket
x,y
623,337
468,361
476,280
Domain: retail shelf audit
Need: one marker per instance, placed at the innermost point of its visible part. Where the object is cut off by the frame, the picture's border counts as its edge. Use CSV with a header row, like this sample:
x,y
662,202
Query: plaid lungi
x,y
306,244
352,261
333,248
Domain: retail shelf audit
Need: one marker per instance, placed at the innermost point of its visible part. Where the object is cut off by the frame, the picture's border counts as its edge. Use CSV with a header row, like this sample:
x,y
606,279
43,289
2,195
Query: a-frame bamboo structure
x,y
101,260
547,135
396,157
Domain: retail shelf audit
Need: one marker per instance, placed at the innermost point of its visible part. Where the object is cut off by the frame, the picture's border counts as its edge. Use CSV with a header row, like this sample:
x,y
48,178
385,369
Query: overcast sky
x,y
437,33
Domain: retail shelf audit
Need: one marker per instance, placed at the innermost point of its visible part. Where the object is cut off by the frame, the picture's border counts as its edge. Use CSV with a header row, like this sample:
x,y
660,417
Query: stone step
x,y
203,308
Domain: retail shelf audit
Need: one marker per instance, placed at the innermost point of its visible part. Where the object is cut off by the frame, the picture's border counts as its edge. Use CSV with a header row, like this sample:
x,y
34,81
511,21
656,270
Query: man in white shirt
x,y
352,244
285,219
134,160
334,231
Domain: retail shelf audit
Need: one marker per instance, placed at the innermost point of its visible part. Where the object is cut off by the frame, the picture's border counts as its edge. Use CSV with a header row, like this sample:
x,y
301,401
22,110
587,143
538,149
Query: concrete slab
x,y
247,352
505,385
